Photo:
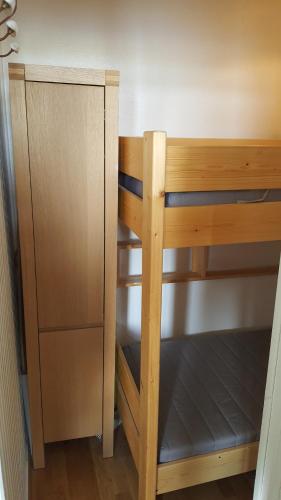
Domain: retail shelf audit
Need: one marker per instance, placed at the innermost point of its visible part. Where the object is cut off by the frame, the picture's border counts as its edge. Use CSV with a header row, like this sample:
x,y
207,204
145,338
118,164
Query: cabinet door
x,y
66,146
71,378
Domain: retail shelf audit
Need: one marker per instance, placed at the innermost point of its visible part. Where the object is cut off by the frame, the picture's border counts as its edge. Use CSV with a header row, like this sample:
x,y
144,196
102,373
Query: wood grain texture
x,y
210,467
129,244
66,144
129,387
223,165
222,224
130,211
154,157
110,270
72,380
16,71
75,470
186,277
112,78
131,156
25,222
130,429
60,74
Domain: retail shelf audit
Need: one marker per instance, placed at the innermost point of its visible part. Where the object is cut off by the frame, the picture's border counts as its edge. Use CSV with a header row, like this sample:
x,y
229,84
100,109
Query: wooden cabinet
x,y
71,380
65,154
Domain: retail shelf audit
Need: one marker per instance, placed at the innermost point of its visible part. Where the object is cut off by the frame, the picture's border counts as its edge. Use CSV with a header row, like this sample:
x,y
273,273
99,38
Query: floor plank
x,y
75,470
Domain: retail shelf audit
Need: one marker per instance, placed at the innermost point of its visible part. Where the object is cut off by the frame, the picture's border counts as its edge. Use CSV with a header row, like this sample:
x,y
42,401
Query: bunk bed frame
x,y
182,165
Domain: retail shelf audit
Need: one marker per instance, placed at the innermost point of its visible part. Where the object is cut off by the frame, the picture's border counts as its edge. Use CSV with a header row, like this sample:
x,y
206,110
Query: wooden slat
x,y
59,74
129,386
25,219
131,156
110,269
222,224
128,424
210,467
154,158
181,277
129,244
222,165
200,256
130,211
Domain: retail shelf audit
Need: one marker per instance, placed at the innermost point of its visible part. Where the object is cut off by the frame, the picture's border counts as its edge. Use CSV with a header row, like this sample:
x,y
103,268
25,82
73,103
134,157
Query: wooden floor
x,y
76,471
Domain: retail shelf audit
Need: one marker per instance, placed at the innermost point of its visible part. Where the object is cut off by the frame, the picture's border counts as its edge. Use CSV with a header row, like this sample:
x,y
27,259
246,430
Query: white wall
x,y
193,68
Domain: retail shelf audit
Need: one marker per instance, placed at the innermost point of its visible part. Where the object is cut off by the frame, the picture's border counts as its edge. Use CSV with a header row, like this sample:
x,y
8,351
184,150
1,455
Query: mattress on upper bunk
x,y
201,198
211,391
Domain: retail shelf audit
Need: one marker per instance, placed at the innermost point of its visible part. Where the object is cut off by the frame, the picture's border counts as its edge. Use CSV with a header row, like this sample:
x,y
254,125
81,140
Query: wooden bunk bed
x,y
217,171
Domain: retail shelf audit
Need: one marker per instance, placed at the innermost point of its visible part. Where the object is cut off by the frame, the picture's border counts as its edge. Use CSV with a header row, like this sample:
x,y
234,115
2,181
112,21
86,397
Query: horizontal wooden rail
x,y
215,165
185,277
204,468
129,244
222,224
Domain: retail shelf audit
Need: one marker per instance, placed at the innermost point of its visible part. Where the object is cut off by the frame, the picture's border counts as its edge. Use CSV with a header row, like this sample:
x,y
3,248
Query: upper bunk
x,y
216,191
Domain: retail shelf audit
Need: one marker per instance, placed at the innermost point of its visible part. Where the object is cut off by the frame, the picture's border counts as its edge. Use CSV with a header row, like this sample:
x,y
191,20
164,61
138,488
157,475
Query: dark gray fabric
x,y
203,197
211,391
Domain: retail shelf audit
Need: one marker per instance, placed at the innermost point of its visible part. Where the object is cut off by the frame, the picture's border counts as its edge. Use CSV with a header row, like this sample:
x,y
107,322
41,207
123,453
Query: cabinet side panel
x,y
25,220
111,215
66,136
72,366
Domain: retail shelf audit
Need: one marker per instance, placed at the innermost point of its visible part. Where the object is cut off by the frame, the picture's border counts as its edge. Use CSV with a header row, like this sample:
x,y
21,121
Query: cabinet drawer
x,y
72,381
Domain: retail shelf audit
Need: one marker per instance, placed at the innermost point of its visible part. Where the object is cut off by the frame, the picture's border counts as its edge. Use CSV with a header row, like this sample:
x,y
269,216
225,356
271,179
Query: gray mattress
x,y
211,391
203,197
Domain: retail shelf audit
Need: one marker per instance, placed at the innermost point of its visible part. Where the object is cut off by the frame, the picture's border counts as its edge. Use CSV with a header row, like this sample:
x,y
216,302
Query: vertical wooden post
x,y
111,219
25,221
200,257
154,162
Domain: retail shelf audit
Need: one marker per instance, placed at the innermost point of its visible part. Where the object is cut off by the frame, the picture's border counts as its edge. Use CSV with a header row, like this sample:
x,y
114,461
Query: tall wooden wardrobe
x,y
65,135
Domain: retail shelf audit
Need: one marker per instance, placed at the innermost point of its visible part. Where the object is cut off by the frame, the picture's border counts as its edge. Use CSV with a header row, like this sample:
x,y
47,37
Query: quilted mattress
x,y
211,391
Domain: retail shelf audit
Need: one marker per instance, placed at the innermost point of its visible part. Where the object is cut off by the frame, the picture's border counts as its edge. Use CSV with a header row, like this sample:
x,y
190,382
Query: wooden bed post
x,y
154,162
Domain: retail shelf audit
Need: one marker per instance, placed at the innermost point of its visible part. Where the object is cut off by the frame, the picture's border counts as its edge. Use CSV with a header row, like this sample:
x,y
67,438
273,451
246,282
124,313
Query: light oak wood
x,y
110,269
71,371
66,144
131,156
16,71
185,277
210,164
129,244
210,467
130,210
25,221
112,78
130,429
221,224
229,165
154,158
200,257
128,384
59,74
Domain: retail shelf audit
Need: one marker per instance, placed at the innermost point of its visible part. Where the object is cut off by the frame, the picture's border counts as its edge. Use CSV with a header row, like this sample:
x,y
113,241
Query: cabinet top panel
x,y
63,74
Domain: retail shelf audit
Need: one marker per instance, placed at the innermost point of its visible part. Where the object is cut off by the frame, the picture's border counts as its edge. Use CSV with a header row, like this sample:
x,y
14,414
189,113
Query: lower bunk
x,y
210,404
